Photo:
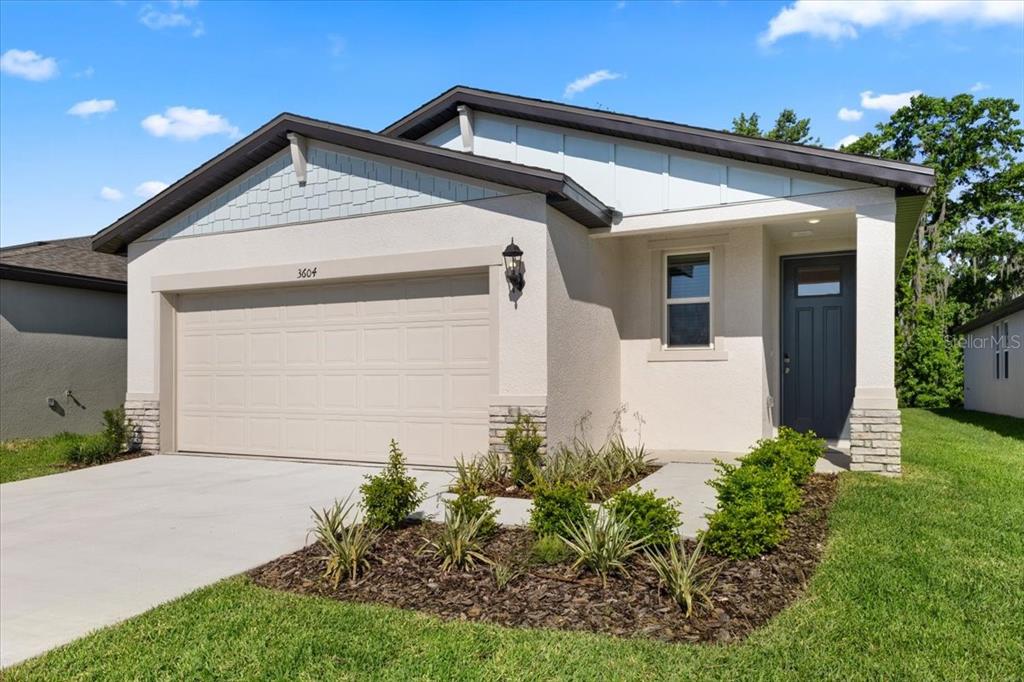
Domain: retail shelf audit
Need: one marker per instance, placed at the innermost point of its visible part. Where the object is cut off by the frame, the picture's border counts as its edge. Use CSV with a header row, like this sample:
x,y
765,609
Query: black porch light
x,y
513,256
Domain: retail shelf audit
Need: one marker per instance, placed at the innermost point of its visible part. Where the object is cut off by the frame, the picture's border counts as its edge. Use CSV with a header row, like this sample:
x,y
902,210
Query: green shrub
x,y
739,484
792,452
602,543
647,515
390,496
473,506
507,572
94,449
556,506
743,530
116,427
524,441
548,550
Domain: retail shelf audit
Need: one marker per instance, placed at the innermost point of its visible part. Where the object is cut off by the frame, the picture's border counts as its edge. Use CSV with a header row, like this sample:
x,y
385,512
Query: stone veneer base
x,y
875,441
502,417
144,416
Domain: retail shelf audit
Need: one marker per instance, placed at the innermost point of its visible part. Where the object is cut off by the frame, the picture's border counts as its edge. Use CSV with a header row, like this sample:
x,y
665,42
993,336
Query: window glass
x,y
689,276
689,324
818,281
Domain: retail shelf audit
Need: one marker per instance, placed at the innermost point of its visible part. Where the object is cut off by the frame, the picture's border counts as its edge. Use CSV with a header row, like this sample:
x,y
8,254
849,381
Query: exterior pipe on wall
x,y
466,127
298,147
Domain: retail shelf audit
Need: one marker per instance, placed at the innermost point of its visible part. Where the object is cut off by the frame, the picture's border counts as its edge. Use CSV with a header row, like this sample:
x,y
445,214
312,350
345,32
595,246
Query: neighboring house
x,y
994,360
316,290
63,337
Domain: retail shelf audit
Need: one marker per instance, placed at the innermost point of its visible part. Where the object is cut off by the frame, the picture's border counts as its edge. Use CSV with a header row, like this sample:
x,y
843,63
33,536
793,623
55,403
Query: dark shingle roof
x,y
993,315
70,262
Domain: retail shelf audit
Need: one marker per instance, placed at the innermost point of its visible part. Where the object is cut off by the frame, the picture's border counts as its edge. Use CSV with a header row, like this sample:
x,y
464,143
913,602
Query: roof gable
x,y
266,142
66,262
905,177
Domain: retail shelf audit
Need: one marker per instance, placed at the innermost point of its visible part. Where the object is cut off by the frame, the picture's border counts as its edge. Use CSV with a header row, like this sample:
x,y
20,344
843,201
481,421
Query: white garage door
x,y
337,371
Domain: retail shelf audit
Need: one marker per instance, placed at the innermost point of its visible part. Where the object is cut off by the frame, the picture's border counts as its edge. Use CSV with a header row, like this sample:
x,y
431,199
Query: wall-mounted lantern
x,y
514,272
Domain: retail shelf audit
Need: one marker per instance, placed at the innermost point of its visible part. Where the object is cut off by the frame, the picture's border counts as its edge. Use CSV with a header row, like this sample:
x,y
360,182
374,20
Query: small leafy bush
x,y
458,545
116,427
555,507
743,530
739,484
346,545
687,577
93,449
647,516
792,453
390,496
549,550
524,442
602,544
473,506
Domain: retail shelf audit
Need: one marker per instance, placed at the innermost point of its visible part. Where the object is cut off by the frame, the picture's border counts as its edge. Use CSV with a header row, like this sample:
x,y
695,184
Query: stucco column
x,y
875,417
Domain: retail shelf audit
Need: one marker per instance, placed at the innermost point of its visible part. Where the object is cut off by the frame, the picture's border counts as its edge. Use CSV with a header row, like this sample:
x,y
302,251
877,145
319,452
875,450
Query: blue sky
x,y
102,102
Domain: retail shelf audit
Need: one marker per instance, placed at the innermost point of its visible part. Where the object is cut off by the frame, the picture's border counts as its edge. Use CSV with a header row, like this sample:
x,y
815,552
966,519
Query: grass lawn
x,y
923,579
31,457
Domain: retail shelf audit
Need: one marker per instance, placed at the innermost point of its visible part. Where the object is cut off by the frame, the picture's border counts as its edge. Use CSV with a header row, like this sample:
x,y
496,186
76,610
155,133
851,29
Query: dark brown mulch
x,y
507,489
748,593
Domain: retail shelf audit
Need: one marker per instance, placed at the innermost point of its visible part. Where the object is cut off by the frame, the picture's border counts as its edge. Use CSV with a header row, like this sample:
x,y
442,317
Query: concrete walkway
x,y
89,548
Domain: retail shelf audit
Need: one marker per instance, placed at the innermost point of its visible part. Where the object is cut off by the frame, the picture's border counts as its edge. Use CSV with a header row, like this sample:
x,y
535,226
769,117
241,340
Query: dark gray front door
x,y
818,334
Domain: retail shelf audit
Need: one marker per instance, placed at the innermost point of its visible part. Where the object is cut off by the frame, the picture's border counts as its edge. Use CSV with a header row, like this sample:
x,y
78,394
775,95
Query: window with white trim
x,y
687,309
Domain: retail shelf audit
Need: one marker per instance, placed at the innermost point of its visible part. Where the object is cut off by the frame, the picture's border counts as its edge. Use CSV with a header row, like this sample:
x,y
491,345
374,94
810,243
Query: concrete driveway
x,y
89,548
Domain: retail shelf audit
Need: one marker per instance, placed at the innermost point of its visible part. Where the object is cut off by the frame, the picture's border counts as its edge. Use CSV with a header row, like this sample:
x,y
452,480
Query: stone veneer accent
x,y
144,416
504,416
875,441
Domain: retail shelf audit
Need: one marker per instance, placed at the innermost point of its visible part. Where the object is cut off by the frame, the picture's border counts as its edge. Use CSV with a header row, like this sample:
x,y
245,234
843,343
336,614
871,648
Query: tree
x,y
968,252
787,128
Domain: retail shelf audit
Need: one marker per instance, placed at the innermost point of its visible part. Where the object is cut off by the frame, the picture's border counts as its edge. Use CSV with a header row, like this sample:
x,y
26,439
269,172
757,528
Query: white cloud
x,y
28,65
183,123
157,19
89,107
87,72
870,100
589,81
850,114
979,86
849,139
111,194
838,19
150,188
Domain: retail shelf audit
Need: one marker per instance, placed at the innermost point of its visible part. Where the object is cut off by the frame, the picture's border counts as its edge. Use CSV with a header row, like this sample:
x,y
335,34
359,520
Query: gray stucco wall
x,y
52,339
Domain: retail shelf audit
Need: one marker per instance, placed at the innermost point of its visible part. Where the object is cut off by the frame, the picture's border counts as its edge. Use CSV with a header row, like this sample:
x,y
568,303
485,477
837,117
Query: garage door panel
x,y
337,371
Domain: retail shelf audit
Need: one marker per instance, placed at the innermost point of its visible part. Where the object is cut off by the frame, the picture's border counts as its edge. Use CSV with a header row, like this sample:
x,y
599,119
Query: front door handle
x,y
785,361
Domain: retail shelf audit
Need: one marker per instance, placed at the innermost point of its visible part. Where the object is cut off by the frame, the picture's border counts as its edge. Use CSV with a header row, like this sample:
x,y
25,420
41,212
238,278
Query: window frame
x,y
709,299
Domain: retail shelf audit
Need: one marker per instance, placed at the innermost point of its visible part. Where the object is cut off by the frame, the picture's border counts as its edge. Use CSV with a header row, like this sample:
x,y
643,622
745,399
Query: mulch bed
x,y
507,489
748,593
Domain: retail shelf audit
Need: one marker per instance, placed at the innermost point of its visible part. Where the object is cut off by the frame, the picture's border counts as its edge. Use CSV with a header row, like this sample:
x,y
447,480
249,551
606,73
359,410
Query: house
x,y
994,361
316,290
63,337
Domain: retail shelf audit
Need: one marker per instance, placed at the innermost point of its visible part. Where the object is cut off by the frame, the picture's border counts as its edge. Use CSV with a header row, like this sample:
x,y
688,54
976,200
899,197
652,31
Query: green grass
x,y
31,457
923,579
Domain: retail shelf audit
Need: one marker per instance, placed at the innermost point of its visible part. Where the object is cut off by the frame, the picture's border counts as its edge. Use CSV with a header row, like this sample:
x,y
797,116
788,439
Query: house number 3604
x,y
306,273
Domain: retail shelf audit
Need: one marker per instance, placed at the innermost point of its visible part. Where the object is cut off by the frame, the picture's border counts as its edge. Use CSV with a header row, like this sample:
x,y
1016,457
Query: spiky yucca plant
x,y
602,543
346,545
687,577
459,544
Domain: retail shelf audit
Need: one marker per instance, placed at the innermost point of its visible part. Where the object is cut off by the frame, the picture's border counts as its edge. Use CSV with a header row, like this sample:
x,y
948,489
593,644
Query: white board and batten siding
x,y
633,177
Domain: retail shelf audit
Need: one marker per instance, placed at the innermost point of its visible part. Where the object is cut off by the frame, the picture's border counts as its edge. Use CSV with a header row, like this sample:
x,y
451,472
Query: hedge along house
x,y
317,290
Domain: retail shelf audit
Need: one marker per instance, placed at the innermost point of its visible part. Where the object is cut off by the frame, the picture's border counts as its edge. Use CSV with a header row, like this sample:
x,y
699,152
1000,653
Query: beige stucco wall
x,y
982,391
52,339
697,400
520,331
583,337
